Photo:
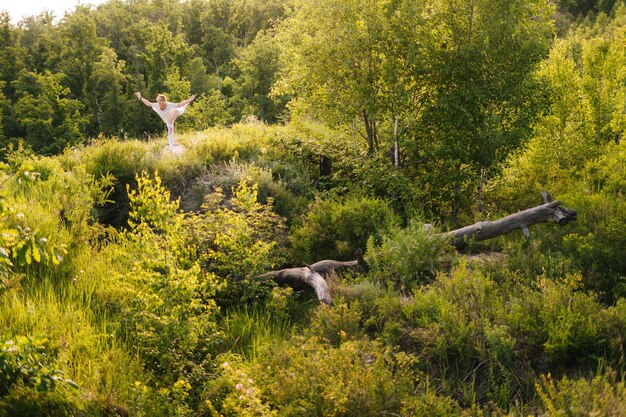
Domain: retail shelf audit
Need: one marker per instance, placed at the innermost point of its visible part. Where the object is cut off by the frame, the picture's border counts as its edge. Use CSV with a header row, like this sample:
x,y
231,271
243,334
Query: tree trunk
x,y
370,130
550,211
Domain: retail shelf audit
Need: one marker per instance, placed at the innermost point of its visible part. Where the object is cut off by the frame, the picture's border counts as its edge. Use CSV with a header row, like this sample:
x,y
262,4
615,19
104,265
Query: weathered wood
x,y
304,275
328,266
315,275
550,211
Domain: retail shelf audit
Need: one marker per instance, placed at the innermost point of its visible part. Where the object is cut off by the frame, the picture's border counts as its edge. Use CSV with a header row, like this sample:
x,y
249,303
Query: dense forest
x,y
136,281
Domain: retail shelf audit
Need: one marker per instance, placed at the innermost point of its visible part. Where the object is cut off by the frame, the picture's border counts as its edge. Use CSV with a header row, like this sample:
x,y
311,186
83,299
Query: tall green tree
x,y
11,61
332,60
82,49
259,65
106,85
483,95
40,39
49,119
457,75
586,76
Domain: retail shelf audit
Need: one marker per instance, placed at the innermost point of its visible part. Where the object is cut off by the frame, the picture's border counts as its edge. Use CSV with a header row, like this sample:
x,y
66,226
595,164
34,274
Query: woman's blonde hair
x,y
161,96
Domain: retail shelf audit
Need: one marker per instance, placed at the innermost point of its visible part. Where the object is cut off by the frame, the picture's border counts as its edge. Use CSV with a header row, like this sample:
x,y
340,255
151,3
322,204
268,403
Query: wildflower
x,y
239,386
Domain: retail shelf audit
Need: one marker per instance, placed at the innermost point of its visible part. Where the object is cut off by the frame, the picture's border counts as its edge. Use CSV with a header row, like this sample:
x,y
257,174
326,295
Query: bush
x,y
335,229
30,362
241,143
338,323
306,377
604,394
485,342
33,403
406,256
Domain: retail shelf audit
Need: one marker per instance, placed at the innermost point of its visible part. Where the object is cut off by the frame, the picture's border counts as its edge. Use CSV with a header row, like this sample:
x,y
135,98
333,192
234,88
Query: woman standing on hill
x,y
167,111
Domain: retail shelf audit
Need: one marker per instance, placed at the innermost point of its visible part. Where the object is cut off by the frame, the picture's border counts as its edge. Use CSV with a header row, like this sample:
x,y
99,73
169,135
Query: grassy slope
x,y
473,339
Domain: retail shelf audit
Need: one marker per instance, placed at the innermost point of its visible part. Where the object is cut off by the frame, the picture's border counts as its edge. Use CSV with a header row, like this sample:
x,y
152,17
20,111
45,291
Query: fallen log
x,y
298,276
549,211
315,275
329,266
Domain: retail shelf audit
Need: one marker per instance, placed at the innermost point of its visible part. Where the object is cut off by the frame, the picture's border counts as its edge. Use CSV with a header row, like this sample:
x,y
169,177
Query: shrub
x,y
338,323
306,377
604,394
335,229
570,319
457,326
29,361
170,316
406,256
33,403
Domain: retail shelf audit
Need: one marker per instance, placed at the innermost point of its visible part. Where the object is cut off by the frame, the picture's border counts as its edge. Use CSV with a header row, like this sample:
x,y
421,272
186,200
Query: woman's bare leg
x,y
170,135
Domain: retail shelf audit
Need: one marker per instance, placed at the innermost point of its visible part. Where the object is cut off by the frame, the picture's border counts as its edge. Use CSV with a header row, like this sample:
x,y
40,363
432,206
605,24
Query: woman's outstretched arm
x,y
185,102
143,100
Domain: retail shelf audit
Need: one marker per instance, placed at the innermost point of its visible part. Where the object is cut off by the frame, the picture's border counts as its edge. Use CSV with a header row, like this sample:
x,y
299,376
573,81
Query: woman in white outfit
x,y
167,111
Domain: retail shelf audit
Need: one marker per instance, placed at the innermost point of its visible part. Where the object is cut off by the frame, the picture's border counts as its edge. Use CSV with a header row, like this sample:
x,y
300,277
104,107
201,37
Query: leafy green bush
x,y
335,229
29,361
241,142
397,187
169,313
338,323
604,394
484,342
406,256
28,402
226,176
570,320
307,377
242,241
596,243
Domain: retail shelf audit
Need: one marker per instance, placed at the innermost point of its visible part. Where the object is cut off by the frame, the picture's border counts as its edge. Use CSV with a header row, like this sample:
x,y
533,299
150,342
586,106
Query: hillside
x,y
148,319
132,274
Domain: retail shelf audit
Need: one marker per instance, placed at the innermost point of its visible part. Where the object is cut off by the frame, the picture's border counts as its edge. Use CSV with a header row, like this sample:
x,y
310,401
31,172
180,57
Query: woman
x,y
167,111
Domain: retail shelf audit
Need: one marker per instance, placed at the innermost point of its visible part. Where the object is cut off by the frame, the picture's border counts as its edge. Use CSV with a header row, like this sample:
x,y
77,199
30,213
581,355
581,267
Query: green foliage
x,y
456,75
305,377
206,111
484,341
604,394
244,244
21,246
94,59
172,319
596,243
48,117
32,403
259,65
246,330
142,316
584,73
334,229
407,256
31,362
151,205
241,142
